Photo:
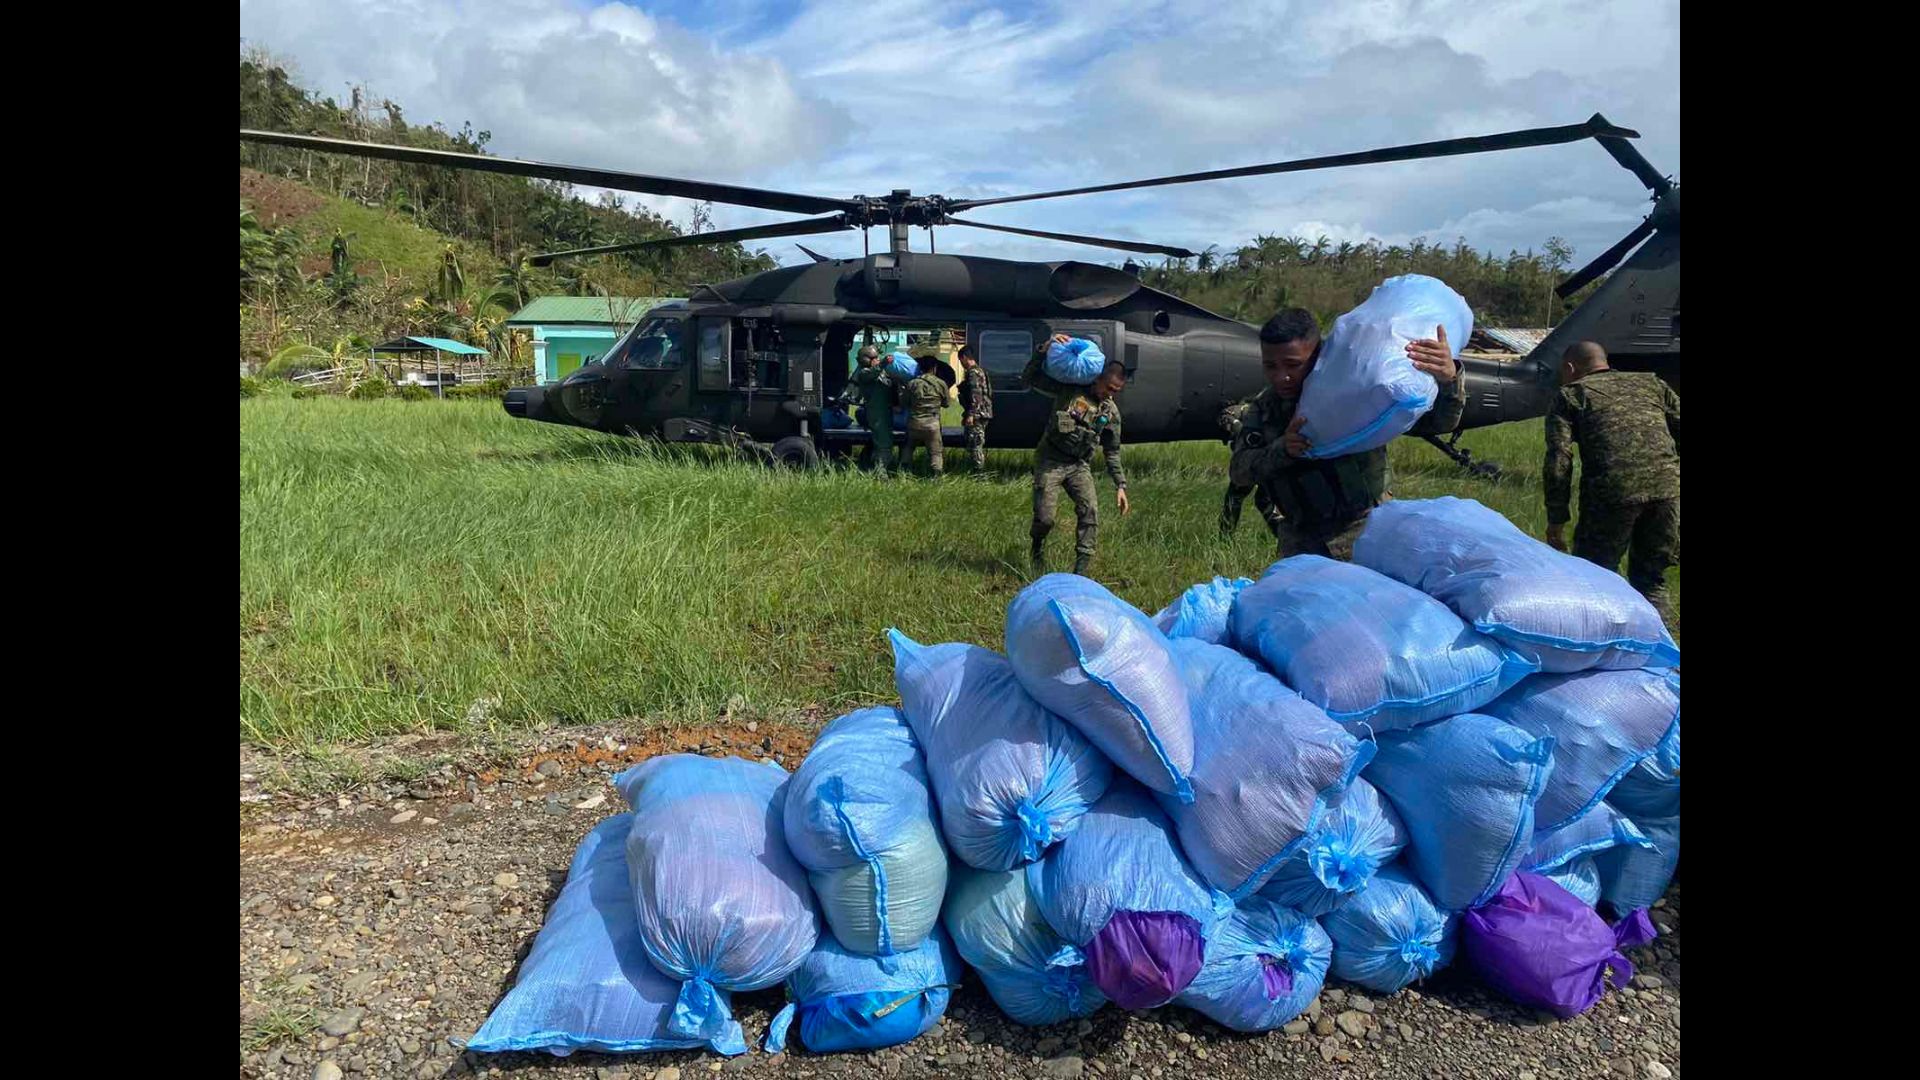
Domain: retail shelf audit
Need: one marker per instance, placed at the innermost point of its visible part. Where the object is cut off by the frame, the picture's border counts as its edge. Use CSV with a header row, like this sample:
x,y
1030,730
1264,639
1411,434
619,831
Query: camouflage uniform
x,y
1231,419
926,396
976,407
1323,502
1063,459
1628,426
874,387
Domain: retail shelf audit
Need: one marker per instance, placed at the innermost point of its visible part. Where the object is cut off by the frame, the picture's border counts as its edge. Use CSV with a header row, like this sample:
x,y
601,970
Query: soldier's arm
x,y
1558,471
1110,449
1672,401
1448,406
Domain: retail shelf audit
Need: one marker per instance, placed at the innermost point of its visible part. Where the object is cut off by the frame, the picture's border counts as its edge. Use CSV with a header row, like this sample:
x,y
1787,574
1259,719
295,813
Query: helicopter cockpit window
x,y
1005,352
655,346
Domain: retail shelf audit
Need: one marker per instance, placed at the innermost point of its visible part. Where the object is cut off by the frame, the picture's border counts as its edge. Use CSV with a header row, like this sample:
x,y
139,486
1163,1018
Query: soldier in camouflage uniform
x,y
1084,418
1323,502
1231,419
1628,426
926,396
874,386
976,405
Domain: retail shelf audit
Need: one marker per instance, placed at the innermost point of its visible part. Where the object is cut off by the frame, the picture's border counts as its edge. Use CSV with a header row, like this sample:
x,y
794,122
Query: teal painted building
x,y
569,331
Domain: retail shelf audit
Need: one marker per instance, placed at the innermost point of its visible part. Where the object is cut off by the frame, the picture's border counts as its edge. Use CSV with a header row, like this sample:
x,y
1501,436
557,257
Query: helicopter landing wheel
x,y
796,452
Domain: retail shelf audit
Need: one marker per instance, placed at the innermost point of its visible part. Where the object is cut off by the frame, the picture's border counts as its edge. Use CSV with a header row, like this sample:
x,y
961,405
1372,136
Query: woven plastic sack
x,y
1010,778
1266,765
1375,654
1030,972
1077,361
1466,788
1566,855
1120,891
587,985
722,903
1099,664
1651,789
844,1001
1564,611
859,817
1633,878
1364,390
1539,945
1264,966
1201,612
1390,934
1603,724
1360,834
902,366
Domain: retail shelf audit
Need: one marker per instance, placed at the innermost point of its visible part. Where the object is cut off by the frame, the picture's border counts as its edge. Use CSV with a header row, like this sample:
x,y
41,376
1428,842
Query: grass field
x,y
416,565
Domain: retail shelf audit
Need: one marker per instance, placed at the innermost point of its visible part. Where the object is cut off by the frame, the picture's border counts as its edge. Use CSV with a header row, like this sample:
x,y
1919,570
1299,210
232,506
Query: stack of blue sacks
x,y
1357,770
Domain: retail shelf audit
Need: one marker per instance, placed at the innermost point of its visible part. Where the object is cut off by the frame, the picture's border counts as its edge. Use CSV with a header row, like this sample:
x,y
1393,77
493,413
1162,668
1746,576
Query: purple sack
x,y
1538,944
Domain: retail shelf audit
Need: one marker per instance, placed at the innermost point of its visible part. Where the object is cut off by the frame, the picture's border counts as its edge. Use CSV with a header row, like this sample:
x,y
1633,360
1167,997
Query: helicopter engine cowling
x,y
991,284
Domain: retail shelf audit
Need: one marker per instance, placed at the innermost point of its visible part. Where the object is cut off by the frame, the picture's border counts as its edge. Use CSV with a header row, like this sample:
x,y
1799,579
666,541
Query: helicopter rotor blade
x,y
1605,261
804,227
812,254
1595,127
1072,238
572,174
1629,156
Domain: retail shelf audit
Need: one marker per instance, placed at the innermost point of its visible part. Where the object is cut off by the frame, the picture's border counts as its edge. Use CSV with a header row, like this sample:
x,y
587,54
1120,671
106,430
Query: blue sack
x,y
1603,723
1390,934
1078,361
1364,390
1010,777
1095,661
903,367
1266,765
1376,654
1564,611
849,1002
1361,834
1031,973
1264,967
1651,789
1466,788
1566,854
587,985
1201,612
860,819
723,905
1632,878
1119,890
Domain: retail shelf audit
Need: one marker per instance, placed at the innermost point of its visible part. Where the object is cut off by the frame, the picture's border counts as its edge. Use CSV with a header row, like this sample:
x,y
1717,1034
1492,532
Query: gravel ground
x,y
380,925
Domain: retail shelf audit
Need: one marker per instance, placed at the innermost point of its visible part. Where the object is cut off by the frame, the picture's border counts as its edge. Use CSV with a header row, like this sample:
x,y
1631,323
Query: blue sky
x,y
841,97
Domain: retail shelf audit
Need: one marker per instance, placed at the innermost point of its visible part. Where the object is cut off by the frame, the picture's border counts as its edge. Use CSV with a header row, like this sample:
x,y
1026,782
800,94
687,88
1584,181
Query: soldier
x,y
976,406
1628,426
1084,417
926,396
1323,502
874,386
1231,419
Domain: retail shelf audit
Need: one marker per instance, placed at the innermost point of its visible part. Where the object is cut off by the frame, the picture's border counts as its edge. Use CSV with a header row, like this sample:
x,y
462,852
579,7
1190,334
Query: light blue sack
x,y
1364,389
1201,612
1077,362
1361,834
1031,973
1466,788
1095,661
1603,723
1390,934
1010,777
1567,854
1632,878
849,1002
860,819
1264,967
1375,654
1266,765
904,367
723,905
587,985
1650,791
1566,612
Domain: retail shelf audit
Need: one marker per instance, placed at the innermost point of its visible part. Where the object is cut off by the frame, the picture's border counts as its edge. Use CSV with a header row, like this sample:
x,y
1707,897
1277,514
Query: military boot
x,y
1080,563
1038,557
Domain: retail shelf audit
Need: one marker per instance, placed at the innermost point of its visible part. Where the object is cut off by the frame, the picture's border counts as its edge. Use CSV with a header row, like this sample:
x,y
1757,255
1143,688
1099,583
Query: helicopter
x,y
756,364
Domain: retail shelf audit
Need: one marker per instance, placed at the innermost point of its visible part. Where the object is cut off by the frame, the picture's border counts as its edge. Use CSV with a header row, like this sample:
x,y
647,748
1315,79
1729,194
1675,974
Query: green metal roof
x,y
593,310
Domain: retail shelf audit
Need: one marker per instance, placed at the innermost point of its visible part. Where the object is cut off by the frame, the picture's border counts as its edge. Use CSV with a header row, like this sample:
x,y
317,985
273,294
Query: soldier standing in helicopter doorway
x,y
1084,418
926,396
976,406
874,386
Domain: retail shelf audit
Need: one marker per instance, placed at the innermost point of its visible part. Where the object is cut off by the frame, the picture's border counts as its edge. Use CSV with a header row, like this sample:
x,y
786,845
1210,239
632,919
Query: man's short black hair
x,y
966,350
1292,324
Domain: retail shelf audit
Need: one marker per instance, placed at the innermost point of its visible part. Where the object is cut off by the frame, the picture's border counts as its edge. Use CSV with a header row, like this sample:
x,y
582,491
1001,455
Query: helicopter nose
x,y
527,403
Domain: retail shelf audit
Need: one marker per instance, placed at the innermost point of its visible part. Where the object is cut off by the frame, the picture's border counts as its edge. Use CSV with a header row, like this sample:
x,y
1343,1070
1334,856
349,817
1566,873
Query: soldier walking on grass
x,y
1084,418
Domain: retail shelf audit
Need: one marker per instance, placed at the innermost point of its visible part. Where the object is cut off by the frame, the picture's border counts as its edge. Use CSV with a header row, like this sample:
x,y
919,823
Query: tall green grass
x,y
406,566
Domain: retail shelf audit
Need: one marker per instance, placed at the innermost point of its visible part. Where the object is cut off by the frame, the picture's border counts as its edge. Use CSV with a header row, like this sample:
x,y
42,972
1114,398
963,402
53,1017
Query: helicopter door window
x,y
1005,352
713,351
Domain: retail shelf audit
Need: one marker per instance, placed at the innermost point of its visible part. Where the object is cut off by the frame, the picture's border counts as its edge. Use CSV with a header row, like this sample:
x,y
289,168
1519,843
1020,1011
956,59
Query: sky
x,y
974,99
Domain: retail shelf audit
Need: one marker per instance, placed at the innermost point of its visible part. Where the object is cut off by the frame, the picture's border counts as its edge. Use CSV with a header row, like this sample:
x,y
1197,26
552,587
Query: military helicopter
x,y
755,363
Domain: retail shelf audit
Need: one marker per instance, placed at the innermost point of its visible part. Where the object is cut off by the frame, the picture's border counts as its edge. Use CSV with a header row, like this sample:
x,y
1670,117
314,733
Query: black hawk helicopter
x,y
759,360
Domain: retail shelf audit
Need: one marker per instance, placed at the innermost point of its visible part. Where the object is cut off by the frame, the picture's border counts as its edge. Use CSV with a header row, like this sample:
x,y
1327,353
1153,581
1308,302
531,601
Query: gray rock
x,y
328,1043
403,817
327,1070
610,1074
548,767
506,881
1323,1026
460,811
1327,1049
1648,982
1353,1023
1048,1045
1068,1067
1296,1027
1335,996
343,1022
409,1047
1659,1071
1182,1037
669,1073
949,1061
358,984
557,809
1360,1002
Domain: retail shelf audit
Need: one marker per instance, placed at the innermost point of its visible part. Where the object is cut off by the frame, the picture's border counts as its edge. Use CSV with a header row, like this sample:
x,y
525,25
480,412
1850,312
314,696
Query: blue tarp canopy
x,y
422,344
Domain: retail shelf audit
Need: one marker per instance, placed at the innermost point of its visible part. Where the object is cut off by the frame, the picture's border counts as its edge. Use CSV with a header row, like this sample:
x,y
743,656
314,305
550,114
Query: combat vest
x,y
1311,492
1074,430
